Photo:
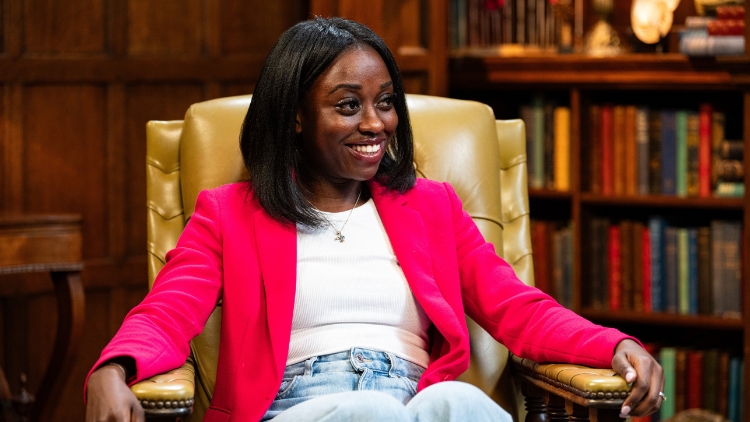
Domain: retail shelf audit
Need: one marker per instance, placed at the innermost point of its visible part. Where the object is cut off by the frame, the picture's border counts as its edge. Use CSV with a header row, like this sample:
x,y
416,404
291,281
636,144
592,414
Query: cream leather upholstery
x,y
456,141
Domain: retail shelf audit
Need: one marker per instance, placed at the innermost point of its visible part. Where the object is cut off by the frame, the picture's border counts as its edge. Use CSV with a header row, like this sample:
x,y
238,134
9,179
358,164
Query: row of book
x,y
547,144
552,245
657,267
722,34
710,379
636,150
485,23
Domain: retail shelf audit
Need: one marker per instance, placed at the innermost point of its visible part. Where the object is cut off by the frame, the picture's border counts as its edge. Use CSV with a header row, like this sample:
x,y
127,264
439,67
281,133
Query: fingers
x,y
137,414
644,374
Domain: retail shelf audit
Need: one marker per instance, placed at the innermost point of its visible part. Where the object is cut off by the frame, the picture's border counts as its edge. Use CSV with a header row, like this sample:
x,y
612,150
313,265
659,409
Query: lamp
x,y
652,19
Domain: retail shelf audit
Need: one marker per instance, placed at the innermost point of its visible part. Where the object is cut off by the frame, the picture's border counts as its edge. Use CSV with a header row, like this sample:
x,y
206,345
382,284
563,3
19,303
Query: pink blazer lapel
x,y
277,252
408,237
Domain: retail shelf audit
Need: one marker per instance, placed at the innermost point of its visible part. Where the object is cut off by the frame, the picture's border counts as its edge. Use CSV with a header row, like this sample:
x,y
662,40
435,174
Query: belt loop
x,y
309,366
392,360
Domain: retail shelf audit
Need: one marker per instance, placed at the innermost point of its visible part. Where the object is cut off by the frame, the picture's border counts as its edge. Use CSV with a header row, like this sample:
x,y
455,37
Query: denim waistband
x,y
356,359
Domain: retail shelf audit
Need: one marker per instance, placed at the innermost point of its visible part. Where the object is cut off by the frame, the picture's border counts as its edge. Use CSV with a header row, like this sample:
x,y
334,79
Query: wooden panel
x,y
65,157
395,32
415,83
11,147
64,26
144,103
368,12
167,27
232,89
238,16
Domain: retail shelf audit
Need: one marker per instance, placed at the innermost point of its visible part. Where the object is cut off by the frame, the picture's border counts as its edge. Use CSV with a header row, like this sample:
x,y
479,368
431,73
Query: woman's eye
x,y
387,101
349,106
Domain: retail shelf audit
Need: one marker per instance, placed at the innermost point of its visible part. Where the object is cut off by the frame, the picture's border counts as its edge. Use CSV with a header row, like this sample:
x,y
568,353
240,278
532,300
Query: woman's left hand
x,y
641,370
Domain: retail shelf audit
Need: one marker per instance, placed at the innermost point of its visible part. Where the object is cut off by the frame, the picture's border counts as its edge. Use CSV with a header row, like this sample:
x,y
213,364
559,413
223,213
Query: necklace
x,y
340,237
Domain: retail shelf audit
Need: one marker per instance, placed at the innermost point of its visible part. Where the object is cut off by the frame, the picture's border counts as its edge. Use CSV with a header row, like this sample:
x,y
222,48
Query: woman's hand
x,y
638,367
110,398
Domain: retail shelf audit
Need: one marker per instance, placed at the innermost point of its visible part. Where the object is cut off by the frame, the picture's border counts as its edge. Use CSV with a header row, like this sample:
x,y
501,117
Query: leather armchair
x,y
456,141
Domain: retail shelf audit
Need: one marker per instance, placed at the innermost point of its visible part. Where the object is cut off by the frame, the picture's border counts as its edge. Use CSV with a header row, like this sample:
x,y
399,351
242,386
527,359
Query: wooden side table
x,y
48,243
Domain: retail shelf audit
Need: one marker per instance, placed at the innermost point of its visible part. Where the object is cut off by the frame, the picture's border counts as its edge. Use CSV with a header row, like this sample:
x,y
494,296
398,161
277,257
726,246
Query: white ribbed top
x,y
354,294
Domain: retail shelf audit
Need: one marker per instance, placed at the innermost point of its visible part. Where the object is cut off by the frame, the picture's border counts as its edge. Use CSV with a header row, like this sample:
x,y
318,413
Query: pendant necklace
x,y
340,237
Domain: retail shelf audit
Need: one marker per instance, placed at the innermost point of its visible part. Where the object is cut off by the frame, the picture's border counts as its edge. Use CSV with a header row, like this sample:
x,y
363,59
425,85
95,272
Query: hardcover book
x,y
704,150
608,150
671,271
595,161
631,151
641,122
618,123
615,269
668,152
654,152
656,229
681,147
693,159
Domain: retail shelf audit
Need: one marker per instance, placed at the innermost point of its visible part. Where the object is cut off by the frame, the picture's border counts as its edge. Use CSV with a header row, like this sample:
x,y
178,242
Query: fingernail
x,y
625,411
630,376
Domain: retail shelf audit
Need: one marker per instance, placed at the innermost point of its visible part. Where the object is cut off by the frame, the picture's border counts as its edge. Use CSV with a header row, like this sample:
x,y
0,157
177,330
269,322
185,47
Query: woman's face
x,y
347,119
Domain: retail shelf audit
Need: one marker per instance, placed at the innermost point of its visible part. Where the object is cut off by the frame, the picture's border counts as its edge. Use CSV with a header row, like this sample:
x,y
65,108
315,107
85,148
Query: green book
x,y
681,132
537,116
667,358
683,273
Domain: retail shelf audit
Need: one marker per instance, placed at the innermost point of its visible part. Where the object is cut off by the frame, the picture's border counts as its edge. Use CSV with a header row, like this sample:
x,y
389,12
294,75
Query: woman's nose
x,y
371,121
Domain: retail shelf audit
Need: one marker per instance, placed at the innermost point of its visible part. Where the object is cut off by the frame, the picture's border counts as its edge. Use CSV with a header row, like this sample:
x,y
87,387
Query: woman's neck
x,y
338,198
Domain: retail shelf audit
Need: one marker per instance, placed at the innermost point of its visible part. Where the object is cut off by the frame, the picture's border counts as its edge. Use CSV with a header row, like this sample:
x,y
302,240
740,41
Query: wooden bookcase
x,y
666,80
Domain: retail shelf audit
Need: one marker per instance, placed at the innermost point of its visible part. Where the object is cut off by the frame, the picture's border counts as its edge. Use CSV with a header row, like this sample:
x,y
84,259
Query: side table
x,y
49,243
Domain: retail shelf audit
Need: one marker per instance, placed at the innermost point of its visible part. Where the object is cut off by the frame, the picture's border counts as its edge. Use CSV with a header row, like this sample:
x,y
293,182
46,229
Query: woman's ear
x,y
298,122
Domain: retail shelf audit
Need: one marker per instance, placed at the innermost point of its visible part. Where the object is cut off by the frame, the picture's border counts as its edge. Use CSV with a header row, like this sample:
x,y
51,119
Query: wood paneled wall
x,y
79,79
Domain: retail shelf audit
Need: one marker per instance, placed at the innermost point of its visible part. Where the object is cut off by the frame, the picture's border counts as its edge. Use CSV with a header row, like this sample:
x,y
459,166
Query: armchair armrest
x,y
168,395
575,392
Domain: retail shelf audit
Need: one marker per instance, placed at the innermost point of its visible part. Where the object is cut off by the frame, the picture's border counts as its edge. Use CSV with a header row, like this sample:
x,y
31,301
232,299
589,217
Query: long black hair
x,y
268,140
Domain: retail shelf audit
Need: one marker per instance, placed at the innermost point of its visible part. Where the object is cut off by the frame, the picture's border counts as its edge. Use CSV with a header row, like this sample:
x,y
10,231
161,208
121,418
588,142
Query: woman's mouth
x,y
367,149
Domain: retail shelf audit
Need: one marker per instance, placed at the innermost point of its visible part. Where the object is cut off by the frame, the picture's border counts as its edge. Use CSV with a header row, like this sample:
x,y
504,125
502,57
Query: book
x,y
595,159
654,152
732,150
693,159
697,45
642,166
626,265
735,382
562,148
722,392
608,149
540,247
717,239
731,269
656,229
705,289
694,379
668,152
680,380
704,150
671,276
730,189
717,137
599,266
683,287
692,264
537,109
638,266
549,145
730,170
709,384
615,268
631,151
667,358
646,257
681,152
619,159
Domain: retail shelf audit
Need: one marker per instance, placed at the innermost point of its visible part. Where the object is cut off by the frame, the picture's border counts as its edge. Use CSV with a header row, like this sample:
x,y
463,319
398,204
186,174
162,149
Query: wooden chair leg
x,y
556,408
577,412
534,401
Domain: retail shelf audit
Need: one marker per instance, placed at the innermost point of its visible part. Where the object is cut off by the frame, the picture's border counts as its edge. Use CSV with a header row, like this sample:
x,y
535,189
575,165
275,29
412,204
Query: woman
x,y
344,280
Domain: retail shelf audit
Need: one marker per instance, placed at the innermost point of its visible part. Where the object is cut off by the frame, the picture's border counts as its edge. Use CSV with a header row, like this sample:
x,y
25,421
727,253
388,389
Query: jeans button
x,y
360,358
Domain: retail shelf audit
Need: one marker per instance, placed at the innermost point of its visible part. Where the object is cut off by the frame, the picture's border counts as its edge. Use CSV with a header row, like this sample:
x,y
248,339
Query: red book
x,y
695,379
540,245
646,254
730,12
608,150
704,151
615,269
726,27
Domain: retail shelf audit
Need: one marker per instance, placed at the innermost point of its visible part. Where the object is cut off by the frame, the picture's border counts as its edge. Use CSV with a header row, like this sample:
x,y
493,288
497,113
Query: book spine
x,y
683,286
595,269
732,266
704,151
710,384
637,260
618,161
538,113
549,145
647,289
723,384
681,153
680,381
626,265
631,151
735,382
654,152
692,264
705,290
562,148
732,150
608,147
615,269
656,232
693,159
695,379
642,166
667,358
671,271
717,260
595,135
668,153
730,189
540,248
717,137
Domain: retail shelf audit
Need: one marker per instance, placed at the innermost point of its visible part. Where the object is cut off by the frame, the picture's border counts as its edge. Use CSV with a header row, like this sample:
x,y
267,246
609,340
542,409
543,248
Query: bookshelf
x,y
660,81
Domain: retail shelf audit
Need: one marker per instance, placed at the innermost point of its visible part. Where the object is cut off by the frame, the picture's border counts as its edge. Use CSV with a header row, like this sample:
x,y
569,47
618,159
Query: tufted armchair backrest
x,y
455,141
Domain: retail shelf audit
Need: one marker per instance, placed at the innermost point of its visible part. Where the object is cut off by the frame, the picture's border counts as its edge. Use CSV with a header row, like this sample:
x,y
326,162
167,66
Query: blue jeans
x,y
367,385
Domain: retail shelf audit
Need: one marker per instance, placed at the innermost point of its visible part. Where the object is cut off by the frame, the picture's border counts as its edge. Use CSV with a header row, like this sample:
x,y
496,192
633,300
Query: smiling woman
x,y
370,326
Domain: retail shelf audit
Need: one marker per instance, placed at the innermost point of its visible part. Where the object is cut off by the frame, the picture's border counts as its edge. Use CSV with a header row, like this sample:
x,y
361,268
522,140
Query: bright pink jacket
x,y
231,249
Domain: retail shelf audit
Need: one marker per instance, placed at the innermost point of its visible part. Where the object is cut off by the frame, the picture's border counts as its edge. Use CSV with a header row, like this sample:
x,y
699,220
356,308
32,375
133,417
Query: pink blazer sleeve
x,y
527,321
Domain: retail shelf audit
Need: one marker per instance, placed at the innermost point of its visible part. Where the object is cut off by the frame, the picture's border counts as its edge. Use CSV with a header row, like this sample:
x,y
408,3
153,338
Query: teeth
x,y
367,149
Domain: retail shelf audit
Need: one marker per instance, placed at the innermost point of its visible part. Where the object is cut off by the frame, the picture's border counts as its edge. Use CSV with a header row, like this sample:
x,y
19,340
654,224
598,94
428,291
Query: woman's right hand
x,y
110,398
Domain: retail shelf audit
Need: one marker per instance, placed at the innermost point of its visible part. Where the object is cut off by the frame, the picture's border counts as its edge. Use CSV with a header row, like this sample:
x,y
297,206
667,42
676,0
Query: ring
x,y
663,397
